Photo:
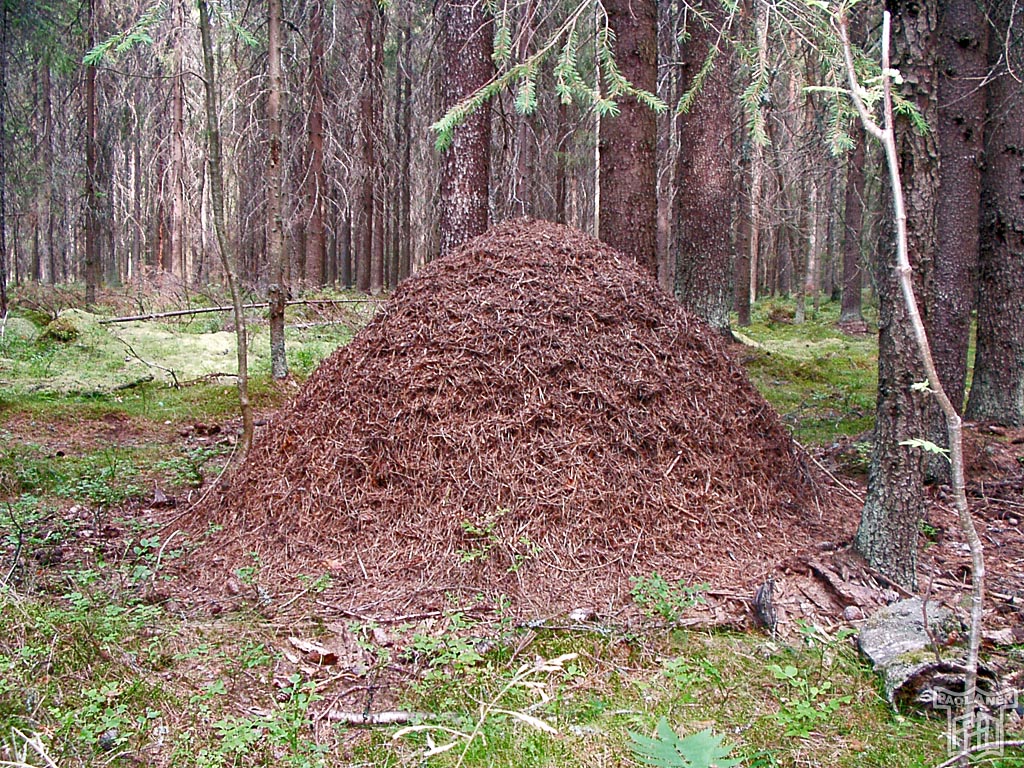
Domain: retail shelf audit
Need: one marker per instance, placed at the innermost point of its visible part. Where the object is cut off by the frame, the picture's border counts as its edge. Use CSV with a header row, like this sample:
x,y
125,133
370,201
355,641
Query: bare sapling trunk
x,y
220,225
886,136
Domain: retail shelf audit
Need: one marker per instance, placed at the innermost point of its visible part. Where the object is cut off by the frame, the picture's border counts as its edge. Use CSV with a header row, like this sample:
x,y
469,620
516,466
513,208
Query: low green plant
x,y
658,598
448,653
188,467
807,704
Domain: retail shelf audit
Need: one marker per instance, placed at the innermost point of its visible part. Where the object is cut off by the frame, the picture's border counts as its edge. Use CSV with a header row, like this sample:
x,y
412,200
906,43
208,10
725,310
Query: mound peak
x,y
528,415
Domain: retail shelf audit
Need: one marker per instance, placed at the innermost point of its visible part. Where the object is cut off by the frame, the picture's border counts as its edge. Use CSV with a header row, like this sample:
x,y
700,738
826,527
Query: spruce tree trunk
x,y
851,310
176,262
365,218
704,183
997,389
92,205
628,213
315,186
963,61
465,166
894,507
3,161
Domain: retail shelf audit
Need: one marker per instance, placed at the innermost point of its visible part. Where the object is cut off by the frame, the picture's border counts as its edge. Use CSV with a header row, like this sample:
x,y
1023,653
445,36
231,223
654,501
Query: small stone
x,y
853,613
108,739
582,615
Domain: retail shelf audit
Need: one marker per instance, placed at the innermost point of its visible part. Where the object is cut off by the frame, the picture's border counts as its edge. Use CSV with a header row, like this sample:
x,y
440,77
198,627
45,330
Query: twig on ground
x,y
141,359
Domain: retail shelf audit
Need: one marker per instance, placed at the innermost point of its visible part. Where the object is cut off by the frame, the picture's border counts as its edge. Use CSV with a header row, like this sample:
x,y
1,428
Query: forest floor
x,y
105,661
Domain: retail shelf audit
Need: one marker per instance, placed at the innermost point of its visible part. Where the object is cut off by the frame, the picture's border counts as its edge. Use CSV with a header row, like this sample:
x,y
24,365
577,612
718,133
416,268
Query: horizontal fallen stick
x,y
204,310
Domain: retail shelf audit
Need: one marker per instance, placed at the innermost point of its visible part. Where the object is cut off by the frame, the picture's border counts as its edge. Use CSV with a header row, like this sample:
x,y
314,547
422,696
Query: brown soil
x,y
528,416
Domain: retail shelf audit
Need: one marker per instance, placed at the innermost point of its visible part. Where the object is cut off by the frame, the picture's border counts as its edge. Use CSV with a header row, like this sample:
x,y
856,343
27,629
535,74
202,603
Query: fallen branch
x,y
204,310
370,719
986,747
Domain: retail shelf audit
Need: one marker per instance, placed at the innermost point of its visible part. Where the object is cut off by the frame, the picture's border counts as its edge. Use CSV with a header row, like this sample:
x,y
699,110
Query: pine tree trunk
x,y
176,262
887,536
628,213
465,166
997,389
704,182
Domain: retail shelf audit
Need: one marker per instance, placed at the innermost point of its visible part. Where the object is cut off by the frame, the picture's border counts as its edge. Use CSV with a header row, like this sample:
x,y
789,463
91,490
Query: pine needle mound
x,y
530,415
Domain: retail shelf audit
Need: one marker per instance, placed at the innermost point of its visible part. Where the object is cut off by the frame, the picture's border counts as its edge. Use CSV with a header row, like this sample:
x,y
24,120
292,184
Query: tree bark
x,y
92,207
628,212
465,166
276,292
704,180
220,223
997,389
893,509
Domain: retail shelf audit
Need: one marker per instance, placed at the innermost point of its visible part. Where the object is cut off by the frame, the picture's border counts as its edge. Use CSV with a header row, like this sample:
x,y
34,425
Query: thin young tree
x,y
213,148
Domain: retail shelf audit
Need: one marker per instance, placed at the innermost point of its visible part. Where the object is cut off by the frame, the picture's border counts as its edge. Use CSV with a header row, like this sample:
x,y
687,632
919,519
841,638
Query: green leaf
x,y
699,750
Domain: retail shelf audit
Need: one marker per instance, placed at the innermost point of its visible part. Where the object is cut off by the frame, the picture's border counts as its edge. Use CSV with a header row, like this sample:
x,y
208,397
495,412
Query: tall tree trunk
x,y
628,212
465,166
220,223
757,159
176,263
92,206
315,186
137,196
850,313
997,389
45,199
887,536
3,160
405,174
704,181
365,218
963,63
379,180
277,294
